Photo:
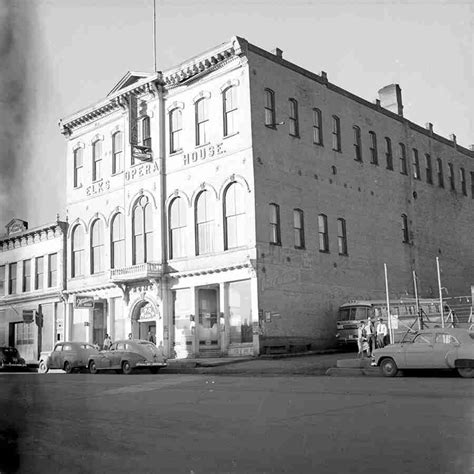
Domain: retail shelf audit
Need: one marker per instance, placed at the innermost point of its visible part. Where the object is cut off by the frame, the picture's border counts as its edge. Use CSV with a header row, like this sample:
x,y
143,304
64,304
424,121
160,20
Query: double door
x,y
208,321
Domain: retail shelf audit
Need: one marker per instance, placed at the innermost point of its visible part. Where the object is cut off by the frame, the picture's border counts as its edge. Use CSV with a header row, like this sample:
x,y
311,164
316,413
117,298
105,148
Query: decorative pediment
x,y
16,226
127,80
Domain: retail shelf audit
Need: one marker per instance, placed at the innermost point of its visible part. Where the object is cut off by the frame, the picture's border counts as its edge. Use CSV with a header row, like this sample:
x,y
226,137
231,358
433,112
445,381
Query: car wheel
x,y
154,370
43,368
92,367
126,368
388,368
466,372
67,367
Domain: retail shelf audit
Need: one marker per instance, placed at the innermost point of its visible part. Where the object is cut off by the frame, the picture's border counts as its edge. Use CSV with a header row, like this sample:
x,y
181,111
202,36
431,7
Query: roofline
x,y
377,107
45,227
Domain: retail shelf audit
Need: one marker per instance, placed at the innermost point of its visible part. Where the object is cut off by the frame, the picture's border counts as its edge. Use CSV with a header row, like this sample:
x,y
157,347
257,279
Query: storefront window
x,y
183,323
240,311
119,319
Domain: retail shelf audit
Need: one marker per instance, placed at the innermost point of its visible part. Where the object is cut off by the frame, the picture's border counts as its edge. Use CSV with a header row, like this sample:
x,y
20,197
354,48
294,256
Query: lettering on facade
x,y
141,171
205,152
98,188
84,301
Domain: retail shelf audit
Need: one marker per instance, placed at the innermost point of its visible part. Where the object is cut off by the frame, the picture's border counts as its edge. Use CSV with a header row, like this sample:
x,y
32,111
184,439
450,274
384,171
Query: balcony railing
x,y
142,271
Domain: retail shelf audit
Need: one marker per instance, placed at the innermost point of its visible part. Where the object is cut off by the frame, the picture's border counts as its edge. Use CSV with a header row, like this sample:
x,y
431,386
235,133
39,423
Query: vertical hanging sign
x,y
132,118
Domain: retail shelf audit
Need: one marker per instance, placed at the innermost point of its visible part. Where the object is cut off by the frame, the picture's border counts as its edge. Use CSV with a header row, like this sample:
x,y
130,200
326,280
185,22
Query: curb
x,y
356,372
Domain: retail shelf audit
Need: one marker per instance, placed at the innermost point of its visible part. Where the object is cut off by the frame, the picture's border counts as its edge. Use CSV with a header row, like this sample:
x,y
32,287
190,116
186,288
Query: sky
x,y
60,56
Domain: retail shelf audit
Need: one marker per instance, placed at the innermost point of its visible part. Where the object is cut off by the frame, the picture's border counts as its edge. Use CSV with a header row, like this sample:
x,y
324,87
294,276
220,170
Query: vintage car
x,y
10,359
68,356
438,348
124,356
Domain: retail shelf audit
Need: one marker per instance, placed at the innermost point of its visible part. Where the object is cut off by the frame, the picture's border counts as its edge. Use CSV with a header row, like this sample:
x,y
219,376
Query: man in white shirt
x,y
370,331
381,330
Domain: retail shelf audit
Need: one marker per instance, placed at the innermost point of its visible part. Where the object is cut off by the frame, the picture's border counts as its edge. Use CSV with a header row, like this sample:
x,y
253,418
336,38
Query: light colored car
x,y
68,356
124,356
439,348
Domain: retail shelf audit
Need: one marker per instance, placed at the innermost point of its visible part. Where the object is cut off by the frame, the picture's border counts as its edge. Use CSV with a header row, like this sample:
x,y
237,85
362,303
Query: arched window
x,y
234,216
97,247
117,242
204,223
229,103
77,252
177,228
97,160
117,152
176,126
202,120
142,232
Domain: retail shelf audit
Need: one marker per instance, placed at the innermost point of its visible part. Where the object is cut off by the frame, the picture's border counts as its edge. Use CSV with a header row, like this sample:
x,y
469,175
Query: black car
x,y
10,359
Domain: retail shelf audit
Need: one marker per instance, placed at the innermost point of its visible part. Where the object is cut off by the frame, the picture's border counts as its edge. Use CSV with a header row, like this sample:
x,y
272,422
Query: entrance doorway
x,y
207,323
99,323
24,340
144,322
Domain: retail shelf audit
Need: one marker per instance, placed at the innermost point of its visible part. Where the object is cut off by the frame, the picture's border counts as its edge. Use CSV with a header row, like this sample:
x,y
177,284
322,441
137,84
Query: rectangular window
x,y
145,131
97,160
440,173
275,237
298,228
429,169
176,126
374,155
405,234
416,164
472,184
2,280
294,124
388,153
451,177
39,273
53,269
462,178
317,127
269,108
117,152
229,98
78,167
336,133
323,233
12,279
403,159
202,121
357,144
341,237
26,286
240,308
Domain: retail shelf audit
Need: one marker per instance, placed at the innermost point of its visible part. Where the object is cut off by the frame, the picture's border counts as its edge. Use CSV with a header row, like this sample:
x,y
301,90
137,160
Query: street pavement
x,y
208,423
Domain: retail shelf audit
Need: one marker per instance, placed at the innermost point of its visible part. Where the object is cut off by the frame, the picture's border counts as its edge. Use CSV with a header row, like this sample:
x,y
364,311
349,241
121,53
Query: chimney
x,y
278,53
391,99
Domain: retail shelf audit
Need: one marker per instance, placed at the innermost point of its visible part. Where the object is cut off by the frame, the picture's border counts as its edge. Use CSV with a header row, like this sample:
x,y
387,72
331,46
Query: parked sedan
x,y
124,356
68,356
440,348
10,359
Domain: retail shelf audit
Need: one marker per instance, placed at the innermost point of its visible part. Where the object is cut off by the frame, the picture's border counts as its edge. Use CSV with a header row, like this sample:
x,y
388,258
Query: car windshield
x,y
149,347
10,351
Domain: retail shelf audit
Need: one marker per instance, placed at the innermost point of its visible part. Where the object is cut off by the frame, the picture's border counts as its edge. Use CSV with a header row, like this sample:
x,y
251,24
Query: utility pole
x,y
440,293
420,325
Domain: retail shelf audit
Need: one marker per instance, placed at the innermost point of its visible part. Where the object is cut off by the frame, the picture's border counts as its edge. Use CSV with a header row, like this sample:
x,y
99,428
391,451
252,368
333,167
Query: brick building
x,y
232,203
31,284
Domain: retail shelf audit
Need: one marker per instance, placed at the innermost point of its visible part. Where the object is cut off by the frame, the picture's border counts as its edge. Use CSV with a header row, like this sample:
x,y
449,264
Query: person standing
x,y
107,343
151,337
361,339
370,331
381,331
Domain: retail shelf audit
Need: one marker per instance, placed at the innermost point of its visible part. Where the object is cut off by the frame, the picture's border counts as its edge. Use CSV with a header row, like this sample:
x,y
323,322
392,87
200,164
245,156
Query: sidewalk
x,y
308,363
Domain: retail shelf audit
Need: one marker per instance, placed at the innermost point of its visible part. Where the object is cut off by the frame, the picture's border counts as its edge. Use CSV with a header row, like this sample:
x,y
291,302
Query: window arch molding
x,y
136,198
177,193
95,217
203,187
116,129
175,105
77,146
237,178
72,226
117,210
229,83
97,137
202,95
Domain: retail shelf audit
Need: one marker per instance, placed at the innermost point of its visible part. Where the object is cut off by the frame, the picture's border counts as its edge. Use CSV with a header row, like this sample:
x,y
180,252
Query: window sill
x,y
318,144
324,251
202,145
271,126
78,187
230,136
343,254
294,136
337,151
117,173
277,244
300,248
176,152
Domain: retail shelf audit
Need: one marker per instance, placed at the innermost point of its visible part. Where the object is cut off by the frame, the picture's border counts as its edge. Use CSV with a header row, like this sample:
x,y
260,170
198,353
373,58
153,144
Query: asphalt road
x,y
195,424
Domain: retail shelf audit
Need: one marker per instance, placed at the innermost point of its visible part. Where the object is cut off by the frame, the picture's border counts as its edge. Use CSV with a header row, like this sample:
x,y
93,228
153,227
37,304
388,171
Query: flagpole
x,y
154,36
440,293
389,316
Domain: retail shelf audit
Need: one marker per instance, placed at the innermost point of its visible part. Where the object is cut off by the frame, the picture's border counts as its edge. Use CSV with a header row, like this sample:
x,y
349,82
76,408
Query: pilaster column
x,y
255,313
224,328
110,318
